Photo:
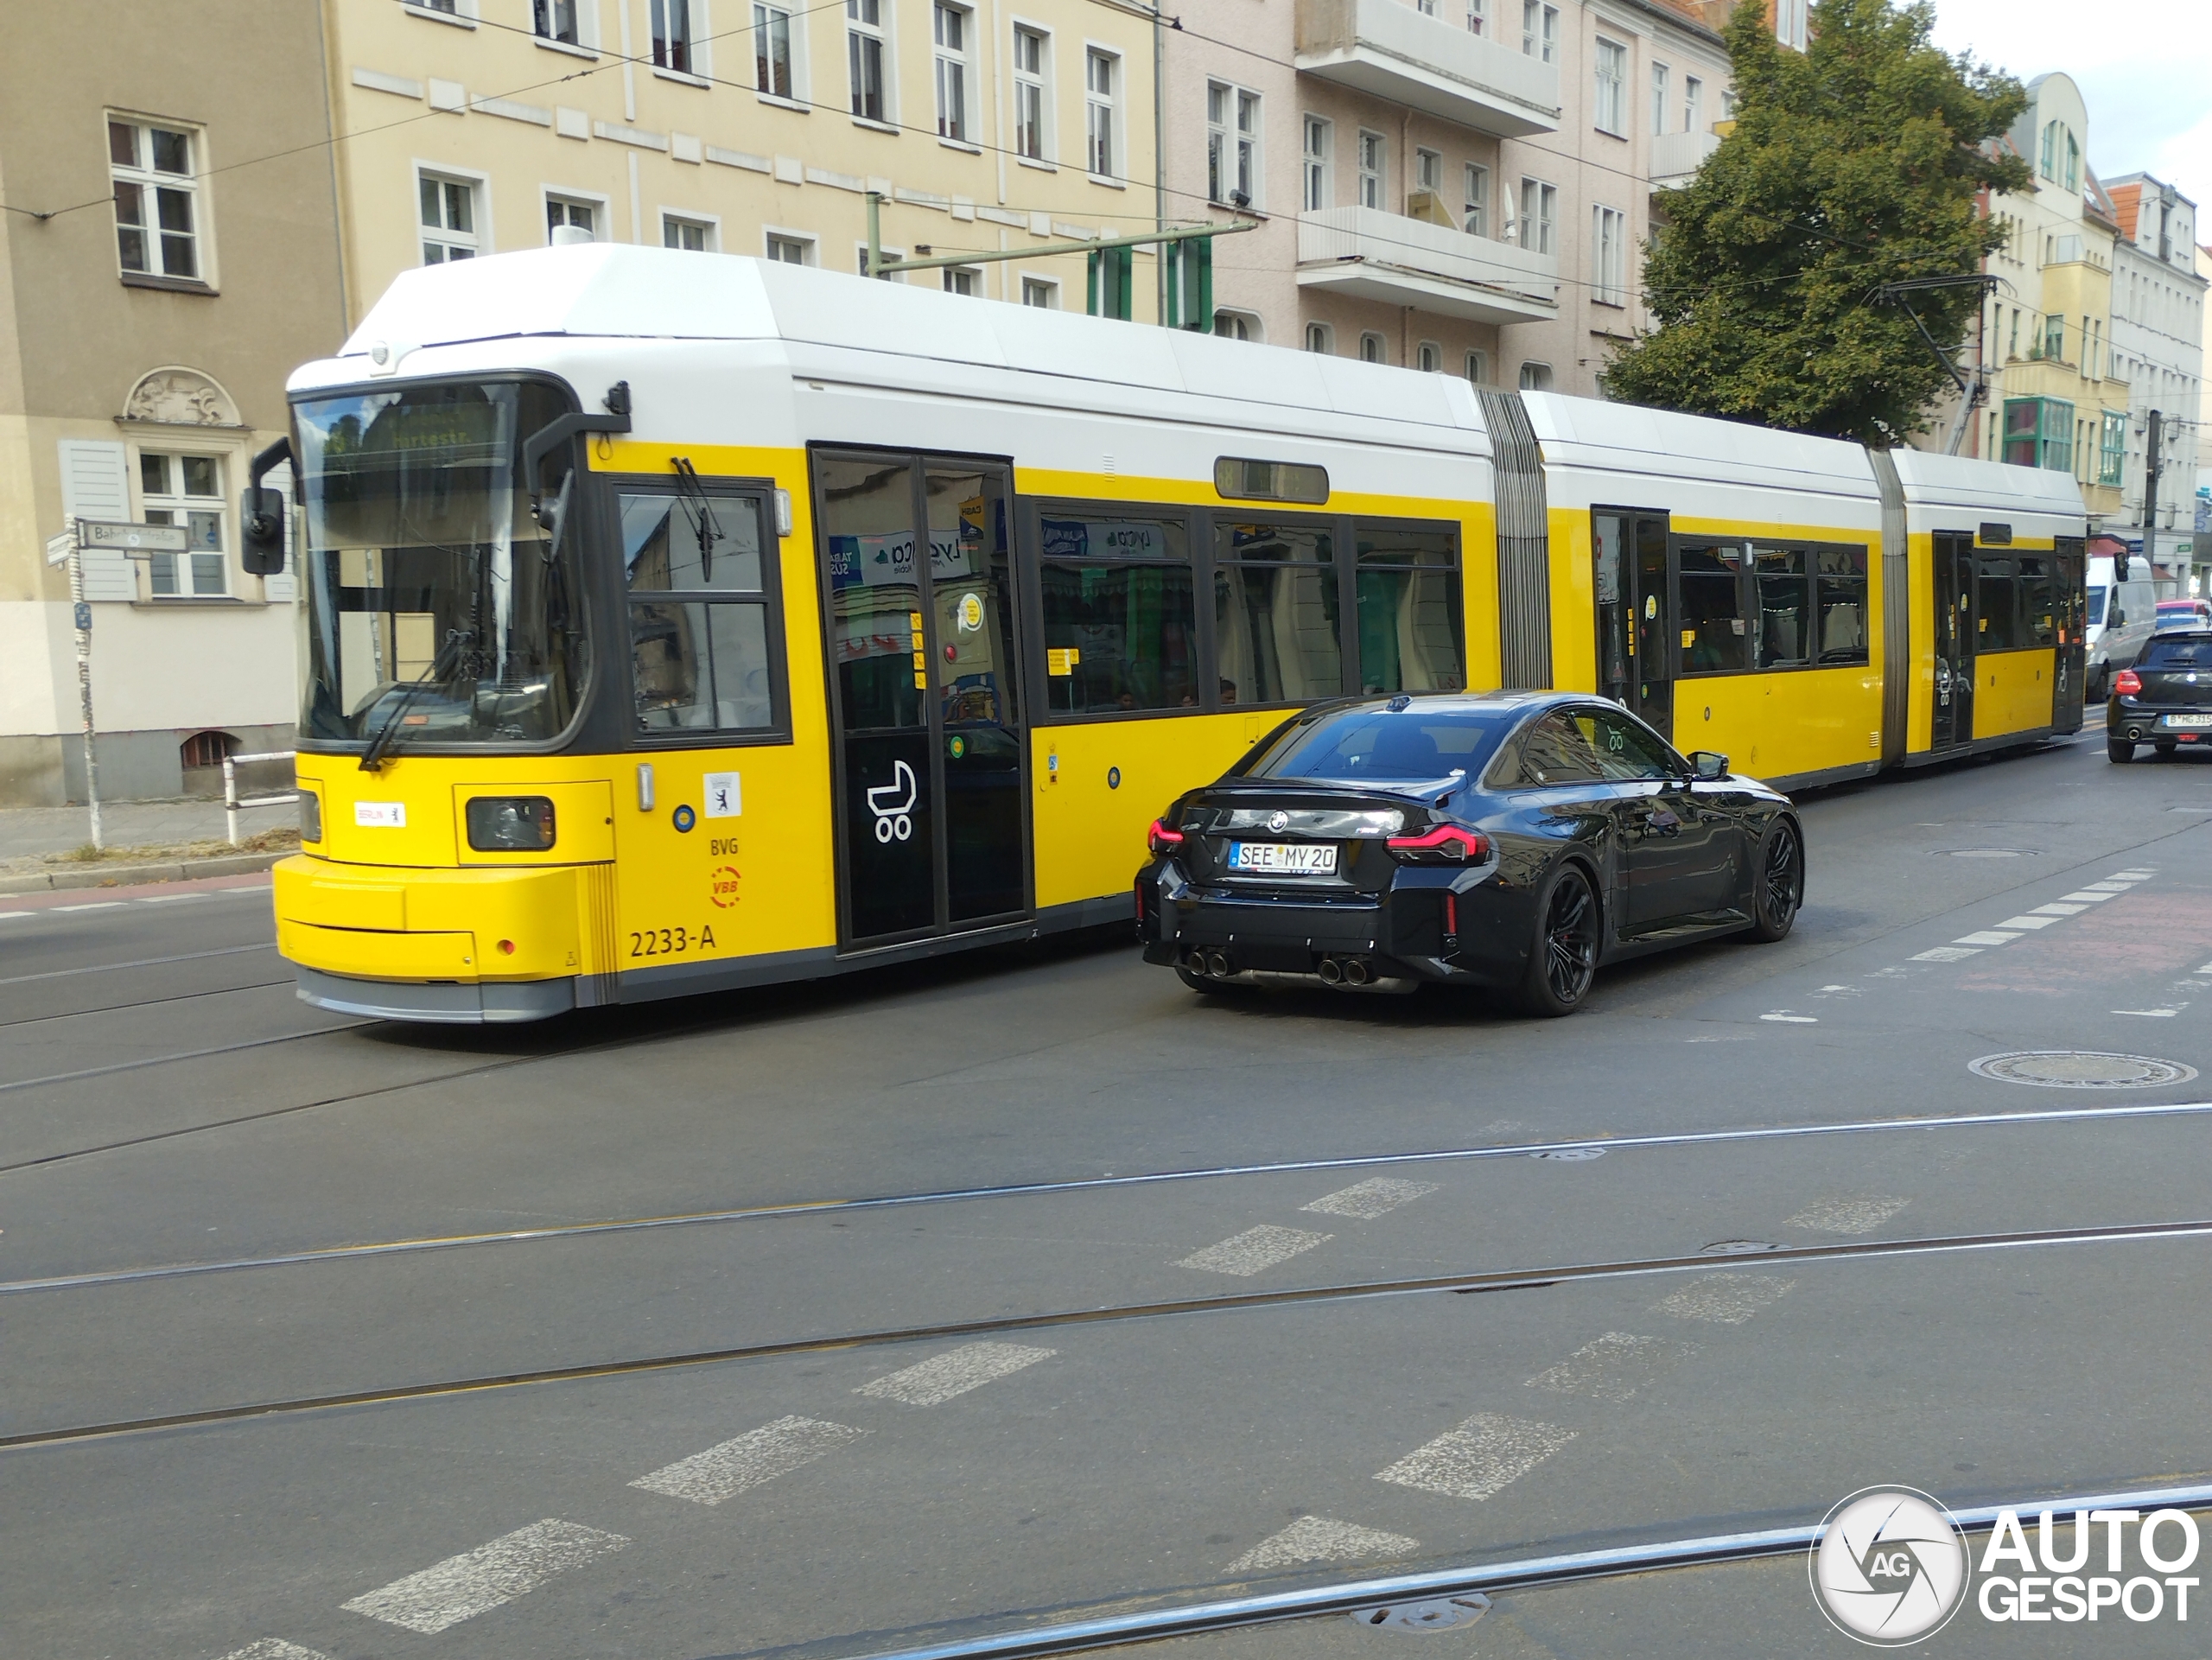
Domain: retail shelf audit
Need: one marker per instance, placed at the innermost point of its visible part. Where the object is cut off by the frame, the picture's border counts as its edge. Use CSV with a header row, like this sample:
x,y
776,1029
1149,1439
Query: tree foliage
x,y
1855,164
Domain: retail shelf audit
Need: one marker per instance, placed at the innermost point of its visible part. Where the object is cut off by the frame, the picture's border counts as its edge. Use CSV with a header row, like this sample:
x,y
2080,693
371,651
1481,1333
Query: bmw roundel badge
x,y
684,818
1278,821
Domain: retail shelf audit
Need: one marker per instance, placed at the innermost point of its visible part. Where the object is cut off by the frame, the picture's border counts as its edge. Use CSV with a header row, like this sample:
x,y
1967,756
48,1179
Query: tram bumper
x,y
467,947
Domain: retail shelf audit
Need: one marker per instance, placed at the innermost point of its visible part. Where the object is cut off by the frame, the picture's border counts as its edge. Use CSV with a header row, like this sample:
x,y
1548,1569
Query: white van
x,y
2121,617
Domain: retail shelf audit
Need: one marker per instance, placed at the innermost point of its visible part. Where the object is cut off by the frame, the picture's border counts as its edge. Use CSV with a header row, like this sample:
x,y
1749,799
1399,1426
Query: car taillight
x,y
1161,839
2127,683
1445,844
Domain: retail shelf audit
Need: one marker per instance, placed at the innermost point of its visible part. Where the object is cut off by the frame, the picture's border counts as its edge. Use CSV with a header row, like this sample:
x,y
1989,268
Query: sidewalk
x,y
147,841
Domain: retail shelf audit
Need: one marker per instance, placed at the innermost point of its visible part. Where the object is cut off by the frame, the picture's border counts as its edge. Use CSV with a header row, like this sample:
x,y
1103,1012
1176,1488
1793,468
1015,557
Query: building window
x,y
1371,153
1101,94
1317,193
1478,16
554,20
156,198
1478,367
565,213
951,27
1789,22
2054,337
185,490
2112,447
1040,293
1609,257
1236,325
864,57
2039,432
771,51
1428,176
964,280
450,8
1535,377
1371,348
449,218
790,250
1610,110
1232,144
1429,356
1319,337
1692,104
1477,218
674,46
1539,207
1030,81
692,235
1540,31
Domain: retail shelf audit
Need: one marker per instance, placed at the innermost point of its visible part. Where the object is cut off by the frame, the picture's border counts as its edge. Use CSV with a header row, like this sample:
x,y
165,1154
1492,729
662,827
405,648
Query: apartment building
x,y
2158,337
170,251
749,127
1460,185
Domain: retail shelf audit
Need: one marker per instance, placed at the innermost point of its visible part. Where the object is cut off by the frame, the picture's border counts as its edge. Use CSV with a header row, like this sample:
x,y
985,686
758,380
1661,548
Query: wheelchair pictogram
x,y
891,803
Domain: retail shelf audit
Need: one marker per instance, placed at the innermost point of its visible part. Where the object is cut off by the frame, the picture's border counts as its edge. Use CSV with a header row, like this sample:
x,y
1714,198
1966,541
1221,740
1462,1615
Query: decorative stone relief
x,y
182,398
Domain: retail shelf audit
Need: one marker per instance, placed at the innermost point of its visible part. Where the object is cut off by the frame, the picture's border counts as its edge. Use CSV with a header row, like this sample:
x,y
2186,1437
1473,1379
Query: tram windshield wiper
x,y
387,734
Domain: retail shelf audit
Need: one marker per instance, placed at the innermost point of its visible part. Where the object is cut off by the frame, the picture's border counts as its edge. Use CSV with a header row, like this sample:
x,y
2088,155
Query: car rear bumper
x,y
2155,723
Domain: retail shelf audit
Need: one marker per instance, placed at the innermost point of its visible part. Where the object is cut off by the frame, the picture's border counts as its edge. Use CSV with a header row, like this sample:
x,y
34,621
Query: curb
x,y
227,864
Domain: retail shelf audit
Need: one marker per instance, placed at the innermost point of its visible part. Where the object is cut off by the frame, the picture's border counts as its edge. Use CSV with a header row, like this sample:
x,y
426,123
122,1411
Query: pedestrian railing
x,y
232,802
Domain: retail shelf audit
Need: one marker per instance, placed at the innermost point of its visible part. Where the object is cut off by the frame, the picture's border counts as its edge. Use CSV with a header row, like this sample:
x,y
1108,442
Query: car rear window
x,y
2195,652
1378,744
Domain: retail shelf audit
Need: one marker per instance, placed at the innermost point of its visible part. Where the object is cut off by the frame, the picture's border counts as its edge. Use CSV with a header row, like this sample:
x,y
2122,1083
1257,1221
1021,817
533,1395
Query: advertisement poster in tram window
x,y
888,561
1076,538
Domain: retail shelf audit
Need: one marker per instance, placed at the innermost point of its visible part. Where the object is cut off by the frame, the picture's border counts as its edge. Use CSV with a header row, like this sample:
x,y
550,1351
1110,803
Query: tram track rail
x,y
1464,1284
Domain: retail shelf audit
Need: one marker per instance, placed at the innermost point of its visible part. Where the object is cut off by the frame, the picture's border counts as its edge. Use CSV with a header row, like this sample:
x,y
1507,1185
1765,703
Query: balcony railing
x,y
1676,155
1367,254
1387,49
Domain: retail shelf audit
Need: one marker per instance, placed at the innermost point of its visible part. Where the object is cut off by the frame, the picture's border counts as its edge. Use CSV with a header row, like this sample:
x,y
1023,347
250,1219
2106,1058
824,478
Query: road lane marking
x,y
275,1648
2152,1013
2087,896
2133,875
1482,1457
2027,922
1946,954
104,905
2058,910
2109,886
1248,1253
747,1460
2207,969
940,1377
10,916
476,1581
1724,1299
1365,1201
1860,1215
1786,1018
1613,1367
1986,937
1318,1539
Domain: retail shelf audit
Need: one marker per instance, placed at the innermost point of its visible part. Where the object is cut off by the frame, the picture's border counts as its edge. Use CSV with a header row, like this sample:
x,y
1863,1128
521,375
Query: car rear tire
x,y
1563,955
2119,750
1778,882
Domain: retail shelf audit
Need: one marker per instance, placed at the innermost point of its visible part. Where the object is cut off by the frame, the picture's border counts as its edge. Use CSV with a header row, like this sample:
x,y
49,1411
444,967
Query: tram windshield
x,y
436,605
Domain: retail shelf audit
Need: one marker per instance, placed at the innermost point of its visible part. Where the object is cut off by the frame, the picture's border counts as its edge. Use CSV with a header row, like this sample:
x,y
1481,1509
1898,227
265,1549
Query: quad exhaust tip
x,y
1332,971
1344,971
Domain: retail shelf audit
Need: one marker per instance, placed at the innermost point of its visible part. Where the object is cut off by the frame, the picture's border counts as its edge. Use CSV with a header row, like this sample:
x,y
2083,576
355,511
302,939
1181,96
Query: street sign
x,y
131,539
84,616
59,548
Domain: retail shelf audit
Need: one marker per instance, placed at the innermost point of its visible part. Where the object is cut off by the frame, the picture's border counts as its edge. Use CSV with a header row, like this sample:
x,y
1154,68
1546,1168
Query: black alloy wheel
x,y
1564,958
1780,883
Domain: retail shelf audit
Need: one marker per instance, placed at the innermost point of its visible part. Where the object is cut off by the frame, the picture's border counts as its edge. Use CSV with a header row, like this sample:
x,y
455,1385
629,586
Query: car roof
x,y
1491,704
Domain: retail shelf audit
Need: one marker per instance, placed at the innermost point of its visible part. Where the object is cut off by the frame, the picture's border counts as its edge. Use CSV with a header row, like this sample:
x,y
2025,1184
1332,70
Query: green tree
x,y
1853,165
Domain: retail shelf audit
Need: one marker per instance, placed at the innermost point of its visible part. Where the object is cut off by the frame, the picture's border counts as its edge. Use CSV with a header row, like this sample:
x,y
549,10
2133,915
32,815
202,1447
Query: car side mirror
x,y
1709,764
2118,618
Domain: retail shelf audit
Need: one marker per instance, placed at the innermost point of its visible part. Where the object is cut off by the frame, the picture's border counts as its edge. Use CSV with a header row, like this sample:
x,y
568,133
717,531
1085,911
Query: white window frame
x,y
1101,110
709,224
475,243
601,230
1316,146
698,68
1789,22
862,29
860,262
1373,148
1537,377
176,507
1539,31
795,33
810,248
1474,217
1477,12
1608,256
1478,368
1234,119
582,13
1662,95
1040,293
192,185
1244,326
1609,94
1373,348
1321,338
1429,170
463,12
953,80
1693,103
1539,216
1034,86
966,281
1428,358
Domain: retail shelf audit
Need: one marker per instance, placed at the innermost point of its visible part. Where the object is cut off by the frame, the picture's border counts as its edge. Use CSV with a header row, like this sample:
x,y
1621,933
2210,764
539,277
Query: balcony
x,y
1676,155
1387,49
1367,254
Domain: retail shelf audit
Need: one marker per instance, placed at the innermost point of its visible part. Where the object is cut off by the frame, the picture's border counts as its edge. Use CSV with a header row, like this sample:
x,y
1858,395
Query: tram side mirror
x,y
261,523
1709,764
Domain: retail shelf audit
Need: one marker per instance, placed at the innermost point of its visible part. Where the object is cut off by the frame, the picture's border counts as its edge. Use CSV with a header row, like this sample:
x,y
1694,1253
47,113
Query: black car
x,y
1514,841
2164,699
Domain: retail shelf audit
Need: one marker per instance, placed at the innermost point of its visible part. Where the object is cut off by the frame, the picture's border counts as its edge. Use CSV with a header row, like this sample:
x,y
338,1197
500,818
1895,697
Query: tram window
x,y
1995,595
1555,752
2038,602
699,624
1781,590
1409,610
1712,610
1841,600
1277,636
1121,613
691,543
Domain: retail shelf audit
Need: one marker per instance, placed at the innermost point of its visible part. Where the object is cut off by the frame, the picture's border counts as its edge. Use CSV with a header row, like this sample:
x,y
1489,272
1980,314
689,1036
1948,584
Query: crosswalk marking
x,y
1862,1214
1724,1299
940,1377
1986,937
1248,1253
476,1581
1318,1539
1365,1201
1613,1367
759,1455
1480,1459
275,1648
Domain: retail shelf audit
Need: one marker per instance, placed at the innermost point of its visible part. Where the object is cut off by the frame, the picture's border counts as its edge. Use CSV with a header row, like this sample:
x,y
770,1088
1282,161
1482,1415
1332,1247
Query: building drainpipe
x,y
1158,167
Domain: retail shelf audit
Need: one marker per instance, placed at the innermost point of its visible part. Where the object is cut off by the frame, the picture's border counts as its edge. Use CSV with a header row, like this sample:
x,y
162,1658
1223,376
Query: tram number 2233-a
x,y
670,942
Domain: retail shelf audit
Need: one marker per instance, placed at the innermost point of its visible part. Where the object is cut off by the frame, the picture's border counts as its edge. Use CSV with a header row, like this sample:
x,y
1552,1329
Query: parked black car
x,y
1516,841
2164,699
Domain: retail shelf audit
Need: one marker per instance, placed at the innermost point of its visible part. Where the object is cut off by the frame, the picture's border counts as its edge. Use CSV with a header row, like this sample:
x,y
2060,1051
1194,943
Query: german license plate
x,y
1284,858
2189,720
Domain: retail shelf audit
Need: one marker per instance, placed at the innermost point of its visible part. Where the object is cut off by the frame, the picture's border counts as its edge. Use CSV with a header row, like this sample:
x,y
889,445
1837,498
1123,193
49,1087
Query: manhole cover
x,y
1986,852
1570,1155
2083,1069
1736,1248
1439,1615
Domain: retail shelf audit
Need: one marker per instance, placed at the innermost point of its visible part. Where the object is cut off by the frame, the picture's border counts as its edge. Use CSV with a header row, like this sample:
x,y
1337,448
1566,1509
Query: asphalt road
x,y
1289,1291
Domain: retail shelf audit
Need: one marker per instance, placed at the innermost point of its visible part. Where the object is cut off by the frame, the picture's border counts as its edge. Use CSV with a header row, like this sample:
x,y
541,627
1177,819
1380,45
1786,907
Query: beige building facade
x,y
170,253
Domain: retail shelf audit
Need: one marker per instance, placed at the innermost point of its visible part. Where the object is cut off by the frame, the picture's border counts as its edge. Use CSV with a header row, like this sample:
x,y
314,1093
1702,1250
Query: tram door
x,y
1954,639
927,725
2071,603
1636,613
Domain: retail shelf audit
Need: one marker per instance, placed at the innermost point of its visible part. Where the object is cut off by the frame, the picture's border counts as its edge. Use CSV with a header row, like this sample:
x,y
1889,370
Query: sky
x,y
2144,68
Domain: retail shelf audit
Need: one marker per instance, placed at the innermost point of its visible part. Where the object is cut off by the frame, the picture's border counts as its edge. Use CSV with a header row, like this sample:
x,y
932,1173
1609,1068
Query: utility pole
x,y
83,618
2150,493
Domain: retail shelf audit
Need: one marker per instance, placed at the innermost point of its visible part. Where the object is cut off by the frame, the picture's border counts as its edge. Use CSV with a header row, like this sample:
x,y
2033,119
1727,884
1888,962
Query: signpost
x,y
134,541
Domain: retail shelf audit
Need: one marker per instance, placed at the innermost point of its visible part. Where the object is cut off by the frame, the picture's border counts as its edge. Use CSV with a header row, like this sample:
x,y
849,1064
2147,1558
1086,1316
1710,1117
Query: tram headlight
x,y
510,823
310,816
